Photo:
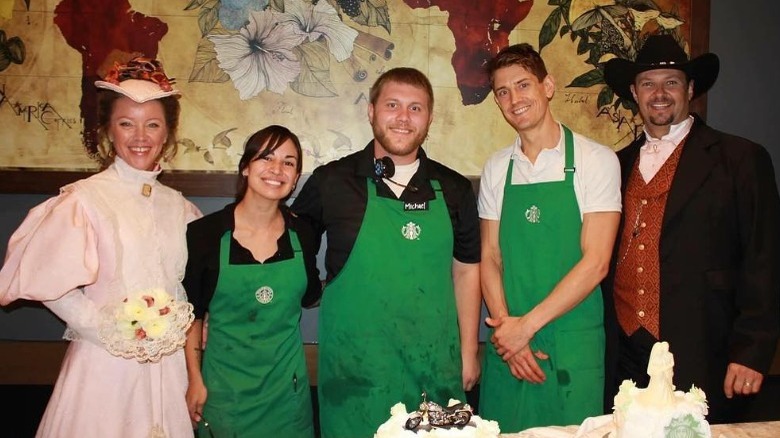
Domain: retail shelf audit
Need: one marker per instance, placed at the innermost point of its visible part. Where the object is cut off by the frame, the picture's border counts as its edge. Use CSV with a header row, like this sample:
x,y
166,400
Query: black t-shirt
x,y
203,245
334,198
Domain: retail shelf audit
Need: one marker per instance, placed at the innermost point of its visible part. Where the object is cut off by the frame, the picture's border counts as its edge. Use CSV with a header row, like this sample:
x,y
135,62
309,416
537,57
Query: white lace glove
x,y
79,313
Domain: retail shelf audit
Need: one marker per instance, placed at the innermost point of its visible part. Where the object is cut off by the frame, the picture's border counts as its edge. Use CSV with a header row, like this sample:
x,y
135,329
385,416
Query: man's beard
x,y
406,148
662,119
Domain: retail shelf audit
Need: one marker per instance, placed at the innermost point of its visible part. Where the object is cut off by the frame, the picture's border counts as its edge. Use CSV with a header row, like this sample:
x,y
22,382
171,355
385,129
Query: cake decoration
x,y
431,420
659,411
458,414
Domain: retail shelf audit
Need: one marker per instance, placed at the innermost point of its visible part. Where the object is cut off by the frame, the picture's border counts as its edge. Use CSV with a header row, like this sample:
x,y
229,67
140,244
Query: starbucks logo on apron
x,y
264,295
533,214
411,231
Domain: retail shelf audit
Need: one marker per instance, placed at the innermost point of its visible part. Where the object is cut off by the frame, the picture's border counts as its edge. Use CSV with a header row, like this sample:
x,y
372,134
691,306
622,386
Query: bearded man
x,y
401,307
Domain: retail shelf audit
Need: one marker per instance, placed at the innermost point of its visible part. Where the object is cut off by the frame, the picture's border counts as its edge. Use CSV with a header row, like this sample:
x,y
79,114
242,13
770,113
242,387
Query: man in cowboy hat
x,y
697,255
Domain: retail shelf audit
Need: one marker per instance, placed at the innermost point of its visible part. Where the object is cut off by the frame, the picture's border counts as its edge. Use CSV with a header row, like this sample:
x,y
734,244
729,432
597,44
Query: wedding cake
x,y
434,421
659,411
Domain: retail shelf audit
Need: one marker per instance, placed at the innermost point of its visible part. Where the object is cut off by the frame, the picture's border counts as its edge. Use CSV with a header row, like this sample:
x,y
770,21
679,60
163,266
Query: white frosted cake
x,y
423,422
659,411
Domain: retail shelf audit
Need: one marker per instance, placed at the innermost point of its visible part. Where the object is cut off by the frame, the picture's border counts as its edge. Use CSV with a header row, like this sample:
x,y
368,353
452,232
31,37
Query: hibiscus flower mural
x,y
260,56
263,45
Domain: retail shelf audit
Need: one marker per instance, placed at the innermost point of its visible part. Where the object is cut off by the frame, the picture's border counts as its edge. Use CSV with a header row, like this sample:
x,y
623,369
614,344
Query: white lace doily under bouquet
x,y
145,326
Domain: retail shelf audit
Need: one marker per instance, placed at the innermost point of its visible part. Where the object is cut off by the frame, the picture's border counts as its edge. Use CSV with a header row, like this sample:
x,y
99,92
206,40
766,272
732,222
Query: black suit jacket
x,y
720,262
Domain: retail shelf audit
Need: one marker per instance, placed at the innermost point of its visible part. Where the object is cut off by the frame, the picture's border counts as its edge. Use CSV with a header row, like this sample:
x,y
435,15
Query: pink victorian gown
x,y
82,253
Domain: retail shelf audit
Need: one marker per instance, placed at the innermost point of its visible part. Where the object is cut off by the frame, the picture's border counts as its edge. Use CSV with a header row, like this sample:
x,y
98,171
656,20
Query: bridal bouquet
x,y
146,325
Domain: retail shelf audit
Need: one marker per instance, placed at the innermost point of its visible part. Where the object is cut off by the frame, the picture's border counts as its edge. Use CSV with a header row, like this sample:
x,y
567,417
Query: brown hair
x,y
106,100
402,75
259,145
522,54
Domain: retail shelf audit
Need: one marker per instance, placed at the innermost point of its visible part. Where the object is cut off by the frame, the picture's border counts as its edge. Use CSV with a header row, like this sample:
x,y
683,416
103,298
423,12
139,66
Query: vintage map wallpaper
x,y
308,64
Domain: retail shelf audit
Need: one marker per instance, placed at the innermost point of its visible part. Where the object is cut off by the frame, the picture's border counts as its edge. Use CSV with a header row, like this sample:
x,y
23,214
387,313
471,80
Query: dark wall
x,y
745,38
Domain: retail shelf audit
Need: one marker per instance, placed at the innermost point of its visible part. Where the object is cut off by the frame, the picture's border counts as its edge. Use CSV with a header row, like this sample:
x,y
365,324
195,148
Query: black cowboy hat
x,y
661,51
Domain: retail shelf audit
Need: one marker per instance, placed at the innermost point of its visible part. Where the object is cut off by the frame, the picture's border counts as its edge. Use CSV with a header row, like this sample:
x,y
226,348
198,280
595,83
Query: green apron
x,y
254,366
388,325
539,236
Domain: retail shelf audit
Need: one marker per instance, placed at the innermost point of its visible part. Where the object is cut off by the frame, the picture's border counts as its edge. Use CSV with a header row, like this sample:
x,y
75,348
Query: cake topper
x,y
660,368
457,415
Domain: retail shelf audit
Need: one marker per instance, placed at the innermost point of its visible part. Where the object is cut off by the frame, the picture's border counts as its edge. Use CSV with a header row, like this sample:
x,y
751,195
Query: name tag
x,y
415,206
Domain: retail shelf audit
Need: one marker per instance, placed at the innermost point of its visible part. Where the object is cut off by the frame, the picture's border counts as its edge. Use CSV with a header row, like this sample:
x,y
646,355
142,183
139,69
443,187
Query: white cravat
x,y
654,153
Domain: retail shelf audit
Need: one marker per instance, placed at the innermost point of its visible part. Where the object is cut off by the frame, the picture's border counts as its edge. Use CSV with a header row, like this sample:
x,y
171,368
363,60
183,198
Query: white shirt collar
x,y
130,173
676,133
517,149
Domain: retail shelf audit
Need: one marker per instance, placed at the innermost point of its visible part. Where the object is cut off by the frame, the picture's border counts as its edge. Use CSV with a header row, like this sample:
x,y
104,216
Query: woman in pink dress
x,y
107,256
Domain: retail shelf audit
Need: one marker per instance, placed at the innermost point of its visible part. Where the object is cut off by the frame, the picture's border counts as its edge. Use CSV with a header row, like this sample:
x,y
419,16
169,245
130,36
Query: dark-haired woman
x,y
251,267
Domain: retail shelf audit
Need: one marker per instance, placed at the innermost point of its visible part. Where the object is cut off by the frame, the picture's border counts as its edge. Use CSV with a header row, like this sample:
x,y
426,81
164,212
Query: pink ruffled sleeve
x,y
52,252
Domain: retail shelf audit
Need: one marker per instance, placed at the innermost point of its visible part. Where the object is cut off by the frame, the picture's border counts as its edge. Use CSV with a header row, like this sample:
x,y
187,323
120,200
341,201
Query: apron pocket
x,y
579,349
579,361
301,397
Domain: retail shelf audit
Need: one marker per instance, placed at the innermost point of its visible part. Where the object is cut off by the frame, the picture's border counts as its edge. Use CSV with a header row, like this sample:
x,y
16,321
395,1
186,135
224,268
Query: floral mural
x,y
606,29
272,46
308,65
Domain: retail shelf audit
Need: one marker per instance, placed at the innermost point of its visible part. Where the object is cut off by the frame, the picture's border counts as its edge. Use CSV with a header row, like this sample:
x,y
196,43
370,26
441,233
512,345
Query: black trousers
x,y
634,355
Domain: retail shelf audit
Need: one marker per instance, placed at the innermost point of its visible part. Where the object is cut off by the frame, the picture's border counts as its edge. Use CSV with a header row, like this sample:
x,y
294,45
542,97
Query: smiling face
x,y
138,132
400,119
663,97
273,175
522,97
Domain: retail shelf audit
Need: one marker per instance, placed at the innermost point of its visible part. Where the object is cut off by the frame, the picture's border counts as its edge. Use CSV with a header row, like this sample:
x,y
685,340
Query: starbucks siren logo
x,y
411,231
264,295
533,214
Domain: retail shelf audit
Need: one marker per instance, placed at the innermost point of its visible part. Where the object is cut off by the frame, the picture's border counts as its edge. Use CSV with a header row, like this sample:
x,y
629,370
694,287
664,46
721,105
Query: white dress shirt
x,y
654,153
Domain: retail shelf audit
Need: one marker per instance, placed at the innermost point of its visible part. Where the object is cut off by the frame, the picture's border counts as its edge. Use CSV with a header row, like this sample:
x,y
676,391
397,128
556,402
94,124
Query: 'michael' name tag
x,y
415,206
